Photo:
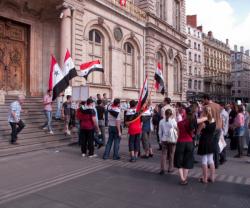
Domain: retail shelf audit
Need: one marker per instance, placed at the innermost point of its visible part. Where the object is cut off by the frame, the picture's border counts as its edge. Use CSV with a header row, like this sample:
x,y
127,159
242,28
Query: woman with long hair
x,y
205,148
183,159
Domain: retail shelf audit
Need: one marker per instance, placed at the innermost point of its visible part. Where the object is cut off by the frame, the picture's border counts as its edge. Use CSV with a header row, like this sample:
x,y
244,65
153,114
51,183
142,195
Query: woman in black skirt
x,y
205,148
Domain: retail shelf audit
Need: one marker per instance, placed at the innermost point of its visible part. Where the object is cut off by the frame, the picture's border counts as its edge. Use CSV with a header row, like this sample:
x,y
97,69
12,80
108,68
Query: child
x,y
168,138
66,114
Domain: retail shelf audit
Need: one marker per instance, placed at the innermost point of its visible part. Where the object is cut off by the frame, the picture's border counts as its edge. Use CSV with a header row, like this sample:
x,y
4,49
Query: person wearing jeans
x,y
14,118
47,102
114,125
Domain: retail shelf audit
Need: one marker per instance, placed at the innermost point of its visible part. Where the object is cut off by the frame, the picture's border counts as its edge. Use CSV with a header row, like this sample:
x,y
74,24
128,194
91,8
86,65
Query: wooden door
x,y
13,56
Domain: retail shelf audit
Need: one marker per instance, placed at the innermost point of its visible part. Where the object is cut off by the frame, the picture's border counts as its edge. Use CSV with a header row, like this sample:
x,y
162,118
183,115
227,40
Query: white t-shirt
x,y
166,129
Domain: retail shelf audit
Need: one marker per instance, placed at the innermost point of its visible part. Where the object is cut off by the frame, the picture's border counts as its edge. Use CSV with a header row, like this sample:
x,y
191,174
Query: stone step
x,y
34,147
35,140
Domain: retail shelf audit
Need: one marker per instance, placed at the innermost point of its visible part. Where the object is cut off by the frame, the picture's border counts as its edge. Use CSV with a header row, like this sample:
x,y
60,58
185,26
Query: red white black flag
x,y
69,70
57,82
159,80
90,67
143,96
123,2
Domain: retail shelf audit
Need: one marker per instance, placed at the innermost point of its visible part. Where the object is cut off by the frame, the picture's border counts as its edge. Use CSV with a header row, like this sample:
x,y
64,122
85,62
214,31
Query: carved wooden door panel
x,y
13,47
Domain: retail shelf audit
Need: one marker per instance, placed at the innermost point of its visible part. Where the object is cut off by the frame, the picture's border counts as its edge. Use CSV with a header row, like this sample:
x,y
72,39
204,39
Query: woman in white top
x,y
168,138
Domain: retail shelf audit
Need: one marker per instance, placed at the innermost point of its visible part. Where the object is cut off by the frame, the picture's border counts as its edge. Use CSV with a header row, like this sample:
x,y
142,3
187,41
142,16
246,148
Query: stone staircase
x,y
32,137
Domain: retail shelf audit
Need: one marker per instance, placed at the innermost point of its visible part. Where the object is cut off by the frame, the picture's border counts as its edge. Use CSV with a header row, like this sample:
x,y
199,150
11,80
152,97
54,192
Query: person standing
x,y
66,114
134,131
248,130
146,129
183,158
168,138
156,121
114,126
167,105
14,118
47,102
239,130
101,122
225,127
59,102
88,123
105,104
216,114
205,148
232,116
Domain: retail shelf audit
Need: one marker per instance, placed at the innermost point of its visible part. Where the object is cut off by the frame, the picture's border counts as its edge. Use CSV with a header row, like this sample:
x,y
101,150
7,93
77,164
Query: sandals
x,y
184,183
201,180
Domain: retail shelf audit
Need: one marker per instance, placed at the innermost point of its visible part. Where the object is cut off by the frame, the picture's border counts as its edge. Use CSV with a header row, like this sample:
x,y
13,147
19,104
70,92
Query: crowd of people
x,y
180,129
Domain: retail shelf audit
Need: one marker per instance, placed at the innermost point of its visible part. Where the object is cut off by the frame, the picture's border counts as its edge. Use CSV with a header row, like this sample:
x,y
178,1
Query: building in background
x,y
217,68
195,63
240,76
129,41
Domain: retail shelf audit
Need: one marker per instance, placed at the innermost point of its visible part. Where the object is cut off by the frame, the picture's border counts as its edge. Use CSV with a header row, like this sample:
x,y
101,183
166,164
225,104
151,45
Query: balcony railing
x,y
131,9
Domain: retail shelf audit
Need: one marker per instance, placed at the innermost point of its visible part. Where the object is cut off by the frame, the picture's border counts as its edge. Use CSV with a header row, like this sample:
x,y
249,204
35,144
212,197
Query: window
x,y
195,57
96,52
238,83
129,65
161,9
190,70
189,43
190,56
239,91
198,34
190,83
199,47
189,32
195,84
176,14
195,71
177,76
195,45
199,58
233,92
199,85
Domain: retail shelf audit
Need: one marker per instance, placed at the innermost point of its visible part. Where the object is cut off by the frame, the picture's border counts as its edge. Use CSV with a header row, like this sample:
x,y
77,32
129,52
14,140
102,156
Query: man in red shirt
x,y
87,118
134,131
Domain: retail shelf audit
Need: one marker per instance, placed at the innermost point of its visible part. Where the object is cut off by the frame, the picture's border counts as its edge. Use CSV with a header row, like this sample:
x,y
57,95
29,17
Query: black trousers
x,y
16,128
87,141
216,147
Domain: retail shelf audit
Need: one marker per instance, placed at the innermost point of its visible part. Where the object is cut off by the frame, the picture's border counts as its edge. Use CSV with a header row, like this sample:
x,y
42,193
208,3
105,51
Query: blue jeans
x,y
113,137
48,115
58,109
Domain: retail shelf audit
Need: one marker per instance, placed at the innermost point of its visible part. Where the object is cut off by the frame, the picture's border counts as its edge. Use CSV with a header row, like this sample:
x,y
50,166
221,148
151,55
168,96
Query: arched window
x,y
96,52
177,76
129,65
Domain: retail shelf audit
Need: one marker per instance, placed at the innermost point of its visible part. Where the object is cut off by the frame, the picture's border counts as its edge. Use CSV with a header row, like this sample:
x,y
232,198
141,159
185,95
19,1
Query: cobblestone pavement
x,y
62,178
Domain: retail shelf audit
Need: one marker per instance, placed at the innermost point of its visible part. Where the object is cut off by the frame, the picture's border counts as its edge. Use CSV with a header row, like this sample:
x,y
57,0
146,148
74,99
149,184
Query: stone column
x,y
65,33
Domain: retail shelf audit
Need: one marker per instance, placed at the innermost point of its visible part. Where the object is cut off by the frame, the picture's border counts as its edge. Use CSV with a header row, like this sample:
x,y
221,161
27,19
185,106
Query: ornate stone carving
x,y
132,35
100,20
170,53
15,57
118,34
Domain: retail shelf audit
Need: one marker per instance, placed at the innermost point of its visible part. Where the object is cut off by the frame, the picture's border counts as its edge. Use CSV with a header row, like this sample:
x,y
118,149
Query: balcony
x,y
131,9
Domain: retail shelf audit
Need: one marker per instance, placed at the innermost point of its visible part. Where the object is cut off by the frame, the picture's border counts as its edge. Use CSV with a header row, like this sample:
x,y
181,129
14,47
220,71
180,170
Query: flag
x,y
159,85
90,67
69,70
143,96
123,2
57,82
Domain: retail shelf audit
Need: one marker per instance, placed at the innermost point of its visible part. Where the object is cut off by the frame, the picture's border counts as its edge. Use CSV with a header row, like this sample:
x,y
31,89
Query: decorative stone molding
x,y
100,20
118,34
132,35
170,53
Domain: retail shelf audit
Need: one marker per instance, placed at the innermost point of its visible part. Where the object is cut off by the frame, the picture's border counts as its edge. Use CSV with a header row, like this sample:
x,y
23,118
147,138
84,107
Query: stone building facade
x,y
240,76
195,63
129,41
217,68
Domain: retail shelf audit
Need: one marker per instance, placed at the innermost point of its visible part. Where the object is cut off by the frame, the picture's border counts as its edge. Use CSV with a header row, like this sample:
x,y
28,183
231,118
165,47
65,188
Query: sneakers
x,y
51,132
67,133
92,156
132,159
45,128
83,155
